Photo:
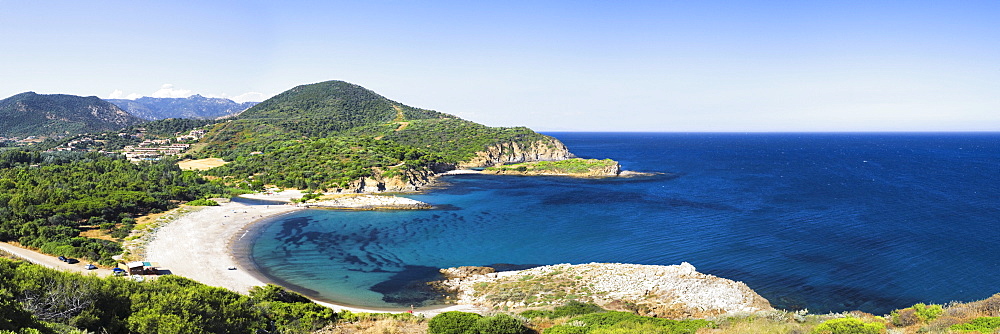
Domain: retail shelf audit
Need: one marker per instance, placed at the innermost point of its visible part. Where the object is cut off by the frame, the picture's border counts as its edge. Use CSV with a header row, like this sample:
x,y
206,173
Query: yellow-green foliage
x,y
568,166
624,322
916,314
981,325
848,326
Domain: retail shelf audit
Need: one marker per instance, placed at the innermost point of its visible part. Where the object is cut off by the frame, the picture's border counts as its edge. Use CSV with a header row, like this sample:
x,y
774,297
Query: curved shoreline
x,y
203,244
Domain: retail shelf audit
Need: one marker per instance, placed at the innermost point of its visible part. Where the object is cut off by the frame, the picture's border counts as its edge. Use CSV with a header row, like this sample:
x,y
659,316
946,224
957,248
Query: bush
x,y
624,321
919,313
572,308
848,326
453,322
500,324
203,202
982,325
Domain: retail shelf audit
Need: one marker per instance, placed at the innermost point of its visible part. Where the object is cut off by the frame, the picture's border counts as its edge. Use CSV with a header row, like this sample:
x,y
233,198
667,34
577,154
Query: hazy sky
x,y
549,65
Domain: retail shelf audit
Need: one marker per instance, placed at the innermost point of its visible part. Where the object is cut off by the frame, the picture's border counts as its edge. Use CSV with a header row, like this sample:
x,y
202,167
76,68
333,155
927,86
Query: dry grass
x,y
381,326
201,164
95,232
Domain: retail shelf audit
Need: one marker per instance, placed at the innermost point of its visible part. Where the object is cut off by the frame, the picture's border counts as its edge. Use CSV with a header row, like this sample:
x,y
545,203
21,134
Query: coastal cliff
x,y
510,152
550,149
398,181
677,291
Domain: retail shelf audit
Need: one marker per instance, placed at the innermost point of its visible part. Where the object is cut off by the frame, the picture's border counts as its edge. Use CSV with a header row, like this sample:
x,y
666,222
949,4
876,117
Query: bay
x,y
828,222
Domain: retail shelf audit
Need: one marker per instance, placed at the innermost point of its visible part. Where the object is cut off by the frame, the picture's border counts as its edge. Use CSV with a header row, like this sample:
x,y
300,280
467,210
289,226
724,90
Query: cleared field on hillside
x,y
201,164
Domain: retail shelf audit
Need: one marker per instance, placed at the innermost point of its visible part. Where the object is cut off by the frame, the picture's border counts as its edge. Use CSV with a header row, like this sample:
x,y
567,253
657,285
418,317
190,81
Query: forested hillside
x,y
323,136
30,114
45,198
51,301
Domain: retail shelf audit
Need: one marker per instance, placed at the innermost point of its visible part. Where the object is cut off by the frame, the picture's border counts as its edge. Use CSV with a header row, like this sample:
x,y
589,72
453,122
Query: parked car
x,y
62,258
90,266
117,271
72,261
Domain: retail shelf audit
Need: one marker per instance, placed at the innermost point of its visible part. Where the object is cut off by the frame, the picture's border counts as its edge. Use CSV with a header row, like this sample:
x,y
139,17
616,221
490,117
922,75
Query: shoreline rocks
x,y
676,291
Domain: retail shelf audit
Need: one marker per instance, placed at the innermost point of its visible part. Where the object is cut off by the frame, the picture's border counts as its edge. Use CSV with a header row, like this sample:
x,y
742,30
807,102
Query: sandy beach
x,y
199,245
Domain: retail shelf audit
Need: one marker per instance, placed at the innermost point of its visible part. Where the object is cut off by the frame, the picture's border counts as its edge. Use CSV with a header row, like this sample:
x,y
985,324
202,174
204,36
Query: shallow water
x,y
828,222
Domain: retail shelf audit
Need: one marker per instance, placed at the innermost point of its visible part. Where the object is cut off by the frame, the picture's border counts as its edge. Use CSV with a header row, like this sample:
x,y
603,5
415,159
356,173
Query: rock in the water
x,y
466,271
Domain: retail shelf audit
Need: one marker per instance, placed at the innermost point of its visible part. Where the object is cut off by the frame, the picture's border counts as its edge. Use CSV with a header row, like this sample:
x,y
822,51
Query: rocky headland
x,y
513,152
676,291
497,155
572,167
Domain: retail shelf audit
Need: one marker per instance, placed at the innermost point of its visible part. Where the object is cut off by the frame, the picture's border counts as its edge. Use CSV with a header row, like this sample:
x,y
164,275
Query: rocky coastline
x,y
676,291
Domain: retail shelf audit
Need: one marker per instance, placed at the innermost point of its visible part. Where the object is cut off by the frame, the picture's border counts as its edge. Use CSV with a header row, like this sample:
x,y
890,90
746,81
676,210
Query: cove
x,y
828,222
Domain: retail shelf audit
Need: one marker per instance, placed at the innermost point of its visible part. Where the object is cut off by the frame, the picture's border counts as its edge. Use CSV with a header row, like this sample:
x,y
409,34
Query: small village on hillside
x,y
147,150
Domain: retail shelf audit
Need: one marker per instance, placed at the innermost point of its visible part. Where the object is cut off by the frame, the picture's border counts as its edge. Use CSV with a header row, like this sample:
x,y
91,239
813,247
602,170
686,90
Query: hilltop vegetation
x,y
325,135
30,114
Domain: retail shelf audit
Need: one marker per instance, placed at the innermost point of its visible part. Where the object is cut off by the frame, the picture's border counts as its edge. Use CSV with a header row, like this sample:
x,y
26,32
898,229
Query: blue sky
x,y
549,65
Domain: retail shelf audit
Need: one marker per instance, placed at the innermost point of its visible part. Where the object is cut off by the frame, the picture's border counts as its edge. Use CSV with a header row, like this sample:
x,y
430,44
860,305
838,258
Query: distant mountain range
x,y
31,114
196,106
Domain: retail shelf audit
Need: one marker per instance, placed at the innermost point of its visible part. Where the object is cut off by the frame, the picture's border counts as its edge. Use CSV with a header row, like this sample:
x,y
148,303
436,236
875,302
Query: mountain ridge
x,y
32,114
195,106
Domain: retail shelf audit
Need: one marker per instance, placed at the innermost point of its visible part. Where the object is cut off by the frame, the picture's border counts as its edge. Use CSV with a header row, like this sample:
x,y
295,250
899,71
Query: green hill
x,y
333,135
31,114
326,107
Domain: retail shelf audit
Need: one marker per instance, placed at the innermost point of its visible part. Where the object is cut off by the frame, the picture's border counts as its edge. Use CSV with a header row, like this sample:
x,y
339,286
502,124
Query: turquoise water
x,y
828,222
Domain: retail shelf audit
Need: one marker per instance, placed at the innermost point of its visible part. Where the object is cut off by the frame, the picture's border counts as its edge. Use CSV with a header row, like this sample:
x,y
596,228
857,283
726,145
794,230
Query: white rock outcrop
x,y
675,291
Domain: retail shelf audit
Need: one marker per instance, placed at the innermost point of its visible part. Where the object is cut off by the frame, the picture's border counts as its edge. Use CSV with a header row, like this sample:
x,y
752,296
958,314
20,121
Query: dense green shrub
x,y
848,326
623,321
453,322
500,324
169,304
982,325
919,313
572,308
203,202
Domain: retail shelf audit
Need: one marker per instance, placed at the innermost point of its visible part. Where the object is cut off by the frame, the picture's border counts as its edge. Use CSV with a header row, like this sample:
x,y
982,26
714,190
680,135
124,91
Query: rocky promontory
x,y
513,152
676,291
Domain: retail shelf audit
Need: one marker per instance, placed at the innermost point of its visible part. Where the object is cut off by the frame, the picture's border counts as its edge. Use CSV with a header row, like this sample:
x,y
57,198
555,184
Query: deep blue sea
x,y
828,222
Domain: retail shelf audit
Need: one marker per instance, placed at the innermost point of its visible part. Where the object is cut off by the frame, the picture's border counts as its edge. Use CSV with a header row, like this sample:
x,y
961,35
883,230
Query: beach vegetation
x,y
626,322
848,325
203,202
571,308
916,314
980,325
454,322
500,324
